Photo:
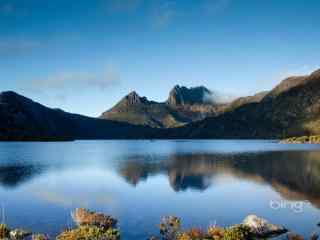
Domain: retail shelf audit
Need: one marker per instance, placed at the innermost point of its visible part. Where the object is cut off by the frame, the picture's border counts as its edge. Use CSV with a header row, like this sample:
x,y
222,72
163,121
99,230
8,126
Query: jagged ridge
x,y
291,109
184,105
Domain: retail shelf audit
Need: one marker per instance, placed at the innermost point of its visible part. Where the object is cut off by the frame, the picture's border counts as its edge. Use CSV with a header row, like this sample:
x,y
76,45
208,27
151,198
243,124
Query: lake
x,y
204,182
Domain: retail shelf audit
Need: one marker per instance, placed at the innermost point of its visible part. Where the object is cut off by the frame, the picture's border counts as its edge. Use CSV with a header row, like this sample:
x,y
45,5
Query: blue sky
x,y
83,56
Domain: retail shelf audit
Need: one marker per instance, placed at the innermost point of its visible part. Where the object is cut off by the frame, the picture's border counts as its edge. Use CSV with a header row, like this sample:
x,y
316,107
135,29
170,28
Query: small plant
x,y
4,231
85,217
90,233
238,232
215,233
39,237
113,234
170,227
183,236
195,234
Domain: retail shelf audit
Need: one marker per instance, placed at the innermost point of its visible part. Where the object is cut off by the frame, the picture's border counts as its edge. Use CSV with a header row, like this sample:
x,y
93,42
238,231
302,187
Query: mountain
x,y
245,100
290,109
23,119
190,96
140,111
184,105
286,85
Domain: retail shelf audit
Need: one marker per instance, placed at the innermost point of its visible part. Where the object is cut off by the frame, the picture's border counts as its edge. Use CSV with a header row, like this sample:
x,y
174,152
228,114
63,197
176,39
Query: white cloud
x,y
13,47
103,79
163,12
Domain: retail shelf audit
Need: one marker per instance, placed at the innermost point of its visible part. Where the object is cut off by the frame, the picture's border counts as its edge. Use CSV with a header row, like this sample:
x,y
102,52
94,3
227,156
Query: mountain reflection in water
x,y
295,175
13,176
124,178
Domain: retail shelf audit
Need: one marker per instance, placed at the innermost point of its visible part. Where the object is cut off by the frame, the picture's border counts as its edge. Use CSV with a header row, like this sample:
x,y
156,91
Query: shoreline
x,y
98,226
36,139
313,139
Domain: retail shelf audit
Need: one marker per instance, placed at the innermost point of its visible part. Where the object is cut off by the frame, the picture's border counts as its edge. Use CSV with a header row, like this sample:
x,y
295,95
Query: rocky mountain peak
x,y
133,98
183,106
181,95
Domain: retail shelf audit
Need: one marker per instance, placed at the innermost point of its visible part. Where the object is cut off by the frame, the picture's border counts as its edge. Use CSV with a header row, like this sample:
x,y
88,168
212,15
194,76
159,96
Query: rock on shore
x,y
83,216
98,226
262,228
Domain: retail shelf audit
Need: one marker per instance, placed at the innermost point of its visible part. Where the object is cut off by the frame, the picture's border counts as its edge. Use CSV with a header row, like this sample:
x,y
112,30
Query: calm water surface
x,y
203,182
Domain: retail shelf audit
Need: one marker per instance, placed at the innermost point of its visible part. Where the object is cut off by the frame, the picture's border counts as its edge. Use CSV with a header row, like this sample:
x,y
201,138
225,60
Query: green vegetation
x,y
170,229
303,139
39,237
97,226
4,231
90,233
239,232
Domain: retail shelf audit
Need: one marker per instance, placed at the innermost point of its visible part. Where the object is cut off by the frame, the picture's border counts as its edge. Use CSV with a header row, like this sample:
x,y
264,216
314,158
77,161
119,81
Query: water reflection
x,y
124,178
13,176
295,175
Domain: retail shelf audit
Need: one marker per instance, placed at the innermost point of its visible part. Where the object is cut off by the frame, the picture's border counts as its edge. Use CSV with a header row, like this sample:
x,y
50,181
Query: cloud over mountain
x,y
101,80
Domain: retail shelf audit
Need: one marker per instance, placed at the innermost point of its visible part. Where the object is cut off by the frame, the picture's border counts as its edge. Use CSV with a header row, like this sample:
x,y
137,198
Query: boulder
x,y
83,216
19,234
262,228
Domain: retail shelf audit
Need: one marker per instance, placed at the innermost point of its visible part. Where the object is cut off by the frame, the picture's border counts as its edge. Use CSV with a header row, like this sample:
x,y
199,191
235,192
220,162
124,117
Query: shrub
x,y
170,227
195,234
90,233
215,232
39,237
4,231
183,236
238,232
85,217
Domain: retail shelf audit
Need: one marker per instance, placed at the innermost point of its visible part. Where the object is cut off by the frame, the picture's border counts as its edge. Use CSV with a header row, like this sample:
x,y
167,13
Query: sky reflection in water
x,y
203,182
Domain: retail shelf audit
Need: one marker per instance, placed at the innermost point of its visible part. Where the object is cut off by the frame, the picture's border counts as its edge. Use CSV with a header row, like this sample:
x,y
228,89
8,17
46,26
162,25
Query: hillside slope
x,y
291,109
23,119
